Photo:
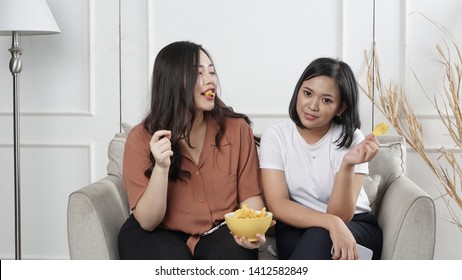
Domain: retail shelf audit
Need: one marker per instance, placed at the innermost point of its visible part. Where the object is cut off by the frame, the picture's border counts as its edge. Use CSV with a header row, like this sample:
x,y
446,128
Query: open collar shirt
x,y
219,182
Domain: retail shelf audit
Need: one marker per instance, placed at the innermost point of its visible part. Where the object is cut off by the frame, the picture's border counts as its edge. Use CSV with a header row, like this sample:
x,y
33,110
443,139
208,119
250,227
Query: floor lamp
x,y
21,18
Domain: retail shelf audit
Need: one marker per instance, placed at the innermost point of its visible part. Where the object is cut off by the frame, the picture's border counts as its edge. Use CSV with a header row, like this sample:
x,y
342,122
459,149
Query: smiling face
x,y
318,102
206,84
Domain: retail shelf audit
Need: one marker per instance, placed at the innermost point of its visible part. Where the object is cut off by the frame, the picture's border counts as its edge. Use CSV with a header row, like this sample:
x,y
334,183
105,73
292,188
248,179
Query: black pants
x,y
315,243
161,244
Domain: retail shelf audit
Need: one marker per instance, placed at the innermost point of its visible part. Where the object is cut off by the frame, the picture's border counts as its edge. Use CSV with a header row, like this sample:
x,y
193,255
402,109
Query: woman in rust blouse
x,y
191,160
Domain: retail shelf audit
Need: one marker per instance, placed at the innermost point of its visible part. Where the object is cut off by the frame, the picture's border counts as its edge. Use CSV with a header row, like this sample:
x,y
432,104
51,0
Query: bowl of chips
x,y
247,222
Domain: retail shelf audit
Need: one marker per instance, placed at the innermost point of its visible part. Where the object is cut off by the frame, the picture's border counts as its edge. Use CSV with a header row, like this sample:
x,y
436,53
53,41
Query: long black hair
x,y
172,101
346,82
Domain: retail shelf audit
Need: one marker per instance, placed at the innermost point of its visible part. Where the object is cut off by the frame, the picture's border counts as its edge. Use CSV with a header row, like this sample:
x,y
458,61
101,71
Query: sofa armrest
x,y
408,219
94,216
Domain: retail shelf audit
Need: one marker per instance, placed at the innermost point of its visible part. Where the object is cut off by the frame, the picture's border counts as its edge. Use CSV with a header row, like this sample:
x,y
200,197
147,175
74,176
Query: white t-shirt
x,y
309,169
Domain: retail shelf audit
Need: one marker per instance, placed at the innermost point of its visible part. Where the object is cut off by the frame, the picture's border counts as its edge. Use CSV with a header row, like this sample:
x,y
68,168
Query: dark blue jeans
x,y
315,243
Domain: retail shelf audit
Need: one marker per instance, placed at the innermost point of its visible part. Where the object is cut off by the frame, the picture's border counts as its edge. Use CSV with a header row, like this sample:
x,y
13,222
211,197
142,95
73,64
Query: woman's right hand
x,y
343,241
151,207
161,148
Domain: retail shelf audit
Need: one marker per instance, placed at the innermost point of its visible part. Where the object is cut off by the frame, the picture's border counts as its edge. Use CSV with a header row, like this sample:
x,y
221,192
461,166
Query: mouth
x,y
309,116
209,93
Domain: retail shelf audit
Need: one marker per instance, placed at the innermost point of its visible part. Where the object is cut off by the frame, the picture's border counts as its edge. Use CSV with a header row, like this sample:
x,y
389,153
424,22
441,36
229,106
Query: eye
x,y
306,92
327,100
212,71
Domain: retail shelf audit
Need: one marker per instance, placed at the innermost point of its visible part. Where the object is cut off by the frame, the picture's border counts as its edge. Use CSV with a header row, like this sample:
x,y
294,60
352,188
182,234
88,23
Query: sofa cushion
x,y
115,155
126,127
115,151
371,187
389,163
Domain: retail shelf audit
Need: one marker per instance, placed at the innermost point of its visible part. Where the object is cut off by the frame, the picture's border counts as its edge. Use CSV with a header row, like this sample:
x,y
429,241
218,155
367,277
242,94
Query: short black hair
x,y
346,82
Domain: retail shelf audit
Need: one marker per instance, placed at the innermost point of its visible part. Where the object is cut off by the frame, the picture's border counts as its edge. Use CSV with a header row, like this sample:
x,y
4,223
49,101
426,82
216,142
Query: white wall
x,y
76,87
421,37
261,49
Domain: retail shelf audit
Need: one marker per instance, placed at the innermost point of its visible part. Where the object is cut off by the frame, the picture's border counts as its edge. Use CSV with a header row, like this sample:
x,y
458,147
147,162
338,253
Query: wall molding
x,y
88,146
48,114
423,115
91,58
267,115
90,110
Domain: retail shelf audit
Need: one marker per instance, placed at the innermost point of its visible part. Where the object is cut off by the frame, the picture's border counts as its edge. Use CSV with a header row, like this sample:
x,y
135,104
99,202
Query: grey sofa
x,y
405,212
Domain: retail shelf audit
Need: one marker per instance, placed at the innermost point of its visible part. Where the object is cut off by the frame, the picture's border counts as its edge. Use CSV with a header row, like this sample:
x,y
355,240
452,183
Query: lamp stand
x,y
15,69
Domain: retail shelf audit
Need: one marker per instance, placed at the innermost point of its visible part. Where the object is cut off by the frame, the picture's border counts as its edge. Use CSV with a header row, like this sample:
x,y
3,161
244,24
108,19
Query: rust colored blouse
x,y
221,180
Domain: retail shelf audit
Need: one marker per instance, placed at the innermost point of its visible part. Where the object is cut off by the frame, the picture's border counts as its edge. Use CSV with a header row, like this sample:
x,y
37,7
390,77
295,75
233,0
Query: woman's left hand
x,y
250,245
244,242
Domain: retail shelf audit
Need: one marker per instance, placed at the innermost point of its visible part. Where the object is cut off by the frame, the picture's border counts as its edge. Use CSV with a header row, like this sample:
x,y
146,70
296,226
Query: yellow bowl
x,y
248,227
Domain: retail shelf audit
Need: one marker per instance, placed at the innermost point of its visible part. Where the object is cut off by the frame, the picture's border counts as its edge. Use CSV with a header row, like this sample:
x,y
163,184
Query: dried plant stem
x,y
394,105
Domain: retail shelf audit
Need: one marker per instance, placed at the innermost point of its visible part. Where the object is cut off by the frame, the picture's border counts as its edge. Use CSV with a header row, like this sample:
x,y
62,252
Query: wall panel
x,y
259,53
70,109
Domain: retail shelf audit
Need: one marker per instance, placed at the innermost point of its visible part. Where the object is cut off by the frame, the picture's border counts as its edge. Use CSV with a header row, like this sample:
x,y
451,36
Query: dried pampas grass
x,y
391,100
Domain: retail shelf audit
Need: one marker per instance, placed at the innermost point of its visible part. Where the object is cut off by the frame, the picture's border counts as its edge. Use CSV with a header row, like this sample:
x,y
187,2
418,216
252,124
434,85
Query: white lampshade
x,y
30,17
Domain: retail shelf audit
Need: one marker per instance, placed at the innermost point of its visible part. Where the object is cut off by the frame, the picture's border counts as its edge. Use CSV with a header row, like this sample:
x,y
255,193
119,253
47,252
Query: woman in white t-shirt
x,y
313,169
